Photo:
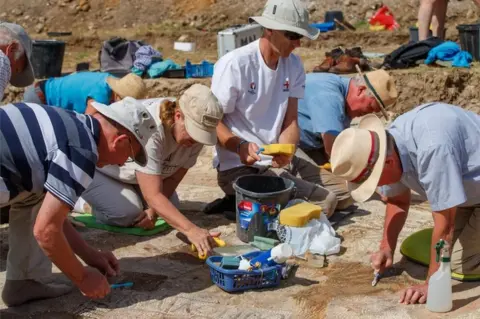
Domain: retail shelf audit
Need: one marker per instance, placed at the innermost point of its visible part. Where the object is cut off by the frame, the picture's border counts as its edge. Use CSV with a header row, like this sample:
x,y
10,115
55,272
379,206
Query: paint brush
x,y
122,285
376,278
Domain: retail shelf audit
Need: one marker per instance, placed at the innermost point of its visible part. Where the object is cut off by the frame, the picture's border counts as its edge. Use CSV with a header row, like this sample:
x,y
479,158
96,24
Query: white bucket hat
x,y
358,156
202,113
26,77
133,116
287,15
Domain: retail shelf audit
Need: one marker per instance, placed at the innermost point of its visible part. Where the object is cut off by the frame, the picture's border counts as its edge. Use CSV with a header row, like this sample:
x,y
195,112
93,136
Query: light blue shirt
x,y
71,92
439,147
322,109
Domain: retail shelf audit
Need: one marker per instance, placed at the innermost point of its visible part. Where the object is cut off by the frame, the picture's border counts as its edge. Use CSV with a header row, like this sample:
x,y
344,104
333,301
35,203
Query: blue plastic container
x,y
324,26
239,280
202,70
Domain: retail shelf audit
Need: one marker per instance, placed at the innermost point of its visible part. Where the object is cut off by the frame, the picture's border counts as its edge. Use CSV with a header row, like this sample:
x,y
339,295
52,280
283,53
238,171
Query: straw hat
x,y
358,156
382,86
130,85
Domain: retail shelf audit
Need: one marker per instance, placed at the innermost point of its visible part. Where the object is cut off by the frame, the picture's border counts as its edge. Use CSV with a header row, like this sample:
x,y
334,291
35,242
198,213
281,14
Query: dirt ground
x,y
169,281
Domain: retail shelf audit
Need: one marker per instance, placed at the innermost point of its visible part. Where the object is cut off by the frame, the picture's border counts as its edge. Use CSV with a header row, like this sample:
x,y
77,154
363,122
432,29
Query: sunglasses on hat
x,y
292,35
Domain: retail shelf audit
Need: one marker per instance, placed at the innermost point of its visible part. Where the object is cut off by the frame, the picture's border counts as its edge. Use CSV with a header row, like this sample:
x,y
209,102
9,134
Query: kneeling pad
x,y
416,248
90,222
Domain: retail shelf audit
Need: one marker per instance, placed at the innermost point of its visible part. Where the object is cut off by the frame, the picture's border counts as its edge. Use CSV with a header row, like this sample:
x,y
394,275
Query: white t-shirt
x,y
164,155
254,98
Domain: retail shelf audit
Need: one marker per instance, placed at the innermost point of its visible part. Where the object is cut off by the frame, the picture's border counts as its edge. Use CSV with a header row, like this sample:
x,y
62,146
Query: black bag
x,y
409,54
117,55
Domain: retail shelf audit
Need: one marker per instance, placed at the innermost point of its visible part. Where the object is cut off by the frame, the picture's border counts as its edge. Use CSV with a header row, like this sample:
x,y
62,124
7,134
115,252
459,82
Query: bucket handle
x,y
293,193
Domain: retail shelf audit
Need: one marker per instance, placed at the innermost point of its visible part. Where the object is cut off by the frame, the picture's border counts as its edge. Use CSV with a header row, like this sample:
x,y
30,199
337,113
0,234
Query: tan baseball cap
x,y
202,113
133,116
26,77
130,85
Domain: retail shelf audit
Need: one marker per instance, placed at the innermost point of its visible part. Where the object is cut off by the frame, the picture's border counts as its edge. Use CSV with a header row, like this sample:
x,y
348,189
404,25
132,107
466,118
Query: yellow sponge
x,y
279,149
299,215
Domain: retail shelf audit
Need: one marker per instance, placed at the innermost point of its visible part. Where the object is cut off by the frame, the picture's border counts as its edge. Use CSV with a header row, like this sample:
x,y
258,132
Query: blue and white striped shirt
x,y
46,149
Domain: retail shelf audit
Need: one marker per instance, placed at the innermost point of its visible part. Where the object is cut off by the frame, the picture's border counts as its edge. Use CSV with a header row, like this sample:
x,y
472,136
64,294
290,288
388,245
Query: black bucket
x,y
470,39
414,34
47,58
330,16
259,199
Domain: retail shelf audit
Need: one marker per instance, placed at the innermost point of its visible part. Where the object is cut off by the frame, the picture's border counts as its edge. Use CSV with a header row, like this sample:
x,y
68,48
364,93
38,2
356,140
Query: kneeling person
x,y
433,150
330,104
134,196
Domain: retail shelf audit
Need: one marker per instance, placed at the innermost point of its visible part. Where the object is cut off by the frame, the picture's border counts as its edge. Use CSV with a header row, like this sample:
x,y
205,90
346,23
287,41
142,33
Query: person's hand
x,y
248,153
382,260
103,261
93,285
203,240
414,294
279,161
146,219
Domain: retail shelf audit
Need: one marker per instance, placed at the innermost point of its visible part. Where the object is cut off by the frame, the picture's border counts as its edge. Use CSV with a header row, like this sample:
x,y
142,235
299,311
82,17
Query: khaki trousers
x,y
25,259
466,238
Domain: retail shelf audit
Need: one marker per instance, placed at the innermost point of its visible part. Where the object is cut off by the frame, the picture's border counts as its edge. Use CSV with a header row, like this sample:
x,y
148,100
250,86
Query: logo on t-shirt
x,y
286,86
253,88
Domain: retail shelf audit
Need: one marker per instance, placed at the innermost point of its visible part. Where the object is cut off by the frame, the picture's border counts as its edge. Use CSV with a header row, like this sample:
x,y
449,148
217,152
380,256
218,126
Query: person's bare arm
x,y
48,231
246,151
328,140
290,133
170,184
90,109
152,190
395,216
444,224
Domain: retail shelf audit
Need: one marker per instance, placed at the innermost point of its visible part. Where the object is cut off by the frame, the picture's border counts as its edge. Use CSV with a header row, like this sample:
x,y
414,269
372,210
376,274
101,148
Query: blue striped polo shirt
x,y
46,149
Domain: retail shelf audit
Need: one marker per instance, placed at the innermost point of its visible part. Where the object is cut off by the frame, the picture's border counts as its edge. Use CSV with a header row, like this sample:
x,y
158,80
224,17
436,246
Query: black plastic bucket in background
x,y
47,58
330,16
258,190
469,35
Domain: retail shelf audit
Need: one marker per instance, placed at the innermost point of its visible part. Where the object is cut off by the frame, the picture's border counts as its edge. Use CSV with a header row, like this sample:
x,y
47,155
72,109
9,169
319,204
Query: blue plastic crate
x,y
239,280
202,70
324,26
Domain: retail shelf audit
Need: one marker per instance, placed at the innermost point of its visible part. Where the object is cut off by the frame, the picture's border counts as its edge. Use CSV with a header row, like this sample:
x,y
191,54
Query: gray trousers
x,y
302,171
116,203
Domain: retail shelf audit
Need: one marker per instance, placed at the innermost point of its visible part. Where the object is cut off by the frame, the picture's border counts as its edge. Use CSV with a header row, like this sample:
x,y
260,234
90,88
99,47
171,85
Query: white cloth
x,y
254,98
5,73
164,155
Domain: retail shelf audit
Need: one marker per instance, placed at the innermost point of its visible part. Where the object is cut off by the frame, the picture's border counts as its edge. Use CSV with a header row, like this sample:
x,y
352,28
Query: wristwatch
x,y
240,144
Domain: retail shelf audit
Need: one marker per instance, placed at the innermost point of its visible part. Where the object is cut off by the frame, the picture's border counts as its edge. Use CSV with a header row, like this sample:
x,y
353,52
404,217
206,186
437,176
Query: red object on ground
x,y
384,17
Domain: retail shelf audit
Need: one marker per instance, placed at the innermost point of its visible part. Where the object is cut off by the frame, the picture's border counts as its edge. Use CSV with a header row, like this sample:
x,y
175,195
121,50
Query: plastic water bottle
x,y
277,255
439,297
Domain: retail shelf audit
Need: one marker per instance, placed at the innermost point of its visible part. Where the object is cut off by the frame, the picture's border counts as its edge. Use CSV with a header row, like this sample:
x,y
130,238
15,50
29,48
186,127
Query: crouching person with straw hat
x,y
434,151
330,104
78,90
48,158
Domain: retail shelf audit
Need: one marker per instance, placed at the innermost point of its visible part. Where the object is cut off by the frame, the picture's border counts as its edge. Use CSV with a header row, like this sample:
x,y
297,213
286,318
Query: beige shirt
x,y
164,155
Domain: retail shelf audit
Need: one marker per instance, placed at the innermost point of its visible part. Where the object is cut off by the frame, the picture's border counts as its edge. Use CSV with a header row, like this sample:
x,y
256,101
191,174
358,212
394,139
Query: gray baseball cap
x,y
287,15
26,77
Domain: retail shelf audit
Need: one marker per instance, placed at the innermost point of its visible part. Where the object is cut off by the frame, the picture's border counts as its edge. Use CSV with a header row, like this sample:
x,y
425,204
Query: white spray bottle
x,y
439,297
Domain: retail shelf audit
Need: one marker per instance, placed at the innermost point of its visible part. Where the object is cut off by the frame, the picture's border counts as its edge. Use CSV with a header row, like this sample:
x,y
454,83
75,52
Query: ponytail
x,y
167,112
